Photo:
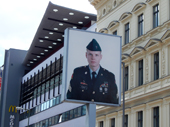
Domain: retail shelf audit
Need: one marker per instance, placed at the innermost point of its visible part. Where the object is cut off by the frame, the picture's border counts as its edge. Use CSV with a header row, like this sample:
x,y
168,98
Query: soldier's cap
x,y
94,46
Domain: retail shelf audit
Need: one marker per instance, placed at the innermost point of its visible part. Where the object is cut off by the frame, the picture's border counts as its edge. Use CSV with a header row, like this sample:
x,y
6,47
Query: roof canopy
x,y
50,34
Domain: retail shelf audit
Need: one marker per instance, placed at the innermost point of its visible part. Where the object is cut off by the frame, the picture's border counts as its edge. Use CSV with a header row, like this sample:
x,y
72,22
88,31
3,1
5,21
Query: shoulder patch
x,y
70,88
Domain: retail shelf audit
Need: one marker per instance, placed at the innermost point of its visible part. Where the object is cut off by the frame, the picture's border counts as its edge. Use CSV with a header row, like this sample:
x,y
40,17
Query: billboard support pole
x,y
123,121
90,115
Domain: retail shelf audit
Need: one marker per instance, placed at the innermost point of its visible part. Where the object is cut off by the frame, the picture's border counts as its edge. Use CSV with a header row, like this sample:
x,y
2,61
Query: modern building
x,y
32,80
145,29
1,71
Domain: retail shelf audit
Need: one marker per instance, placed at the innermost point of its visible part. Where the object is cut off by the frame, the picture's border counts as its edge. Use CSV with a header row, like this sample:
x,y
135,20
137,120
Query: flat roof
x,y
50,34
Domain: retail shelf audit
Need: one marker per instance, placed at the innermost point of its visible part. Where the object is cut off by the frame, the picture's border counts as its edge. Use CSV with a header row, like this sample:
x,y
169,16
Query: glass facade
x,y
45,80
59,118
42,107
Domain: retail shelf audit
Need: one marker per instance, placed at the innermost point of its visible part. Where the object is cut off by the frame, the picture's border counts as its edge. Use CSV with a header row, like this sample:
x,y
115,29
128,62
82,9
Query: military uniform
x,y
103,90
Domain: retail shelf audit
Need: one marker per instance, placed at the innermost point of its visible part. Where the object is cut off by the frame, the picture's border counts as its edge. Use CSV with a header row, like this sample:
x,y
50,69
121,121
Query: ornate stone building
x,y
145,29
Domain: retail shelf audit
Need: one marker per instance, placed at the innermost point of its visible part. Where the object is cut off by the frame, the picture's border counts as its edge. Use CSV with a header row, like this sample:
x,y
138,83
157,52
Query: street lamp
x,y
20,108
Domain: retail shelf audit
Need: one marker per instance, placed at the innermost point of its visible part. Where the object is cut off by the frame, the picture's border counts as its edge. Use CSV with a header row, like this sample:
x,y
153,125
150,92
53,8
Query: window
x,y
126,78
155,15
37,109
35,93
156,116
79,111
52,120
101,124
43,88
67,115
140,119
112,122
140,76
51,102
75,113
39,90
115,32
57,100
48,104
64,117
51,83
45,106
42,107
83,110
40,123
47,86
56,119
60,79
126,121
37,125
71,114
156,66
140,25
56,80
127,33
44,123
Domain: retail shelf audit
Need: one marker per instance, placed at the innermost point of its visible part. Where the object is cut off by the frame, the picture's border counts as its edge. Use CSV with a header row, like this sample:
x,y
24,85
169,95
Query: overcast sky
x,y
19,20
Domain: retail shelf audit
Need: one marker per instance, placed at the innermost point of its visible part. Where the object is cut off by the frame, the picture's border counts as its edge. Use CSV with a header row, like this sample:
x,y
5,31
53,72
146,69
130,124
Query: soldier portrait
x,y
93,82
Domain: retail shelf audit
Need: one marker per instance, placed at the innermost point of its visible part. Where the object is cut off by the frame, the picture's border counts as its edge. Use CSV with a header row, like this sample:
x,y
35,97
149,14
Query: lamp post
x,y
20,108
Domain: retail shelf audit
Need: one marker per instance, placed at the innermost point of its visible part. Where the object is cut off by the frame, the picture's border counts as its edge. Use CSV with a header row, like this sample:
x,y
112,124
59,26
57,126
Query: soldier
x,y
92,82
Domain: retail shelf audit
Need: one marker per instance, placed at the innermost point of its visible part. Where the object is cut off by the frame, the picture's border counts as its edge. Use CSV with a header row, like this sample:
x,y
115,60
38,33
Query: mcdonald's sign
x,y
13,109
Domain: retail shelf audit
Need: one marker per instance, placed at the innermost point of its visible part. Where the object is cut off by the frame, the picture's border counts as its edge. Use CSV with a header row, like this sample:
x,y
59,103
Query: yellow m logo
x,y
13,108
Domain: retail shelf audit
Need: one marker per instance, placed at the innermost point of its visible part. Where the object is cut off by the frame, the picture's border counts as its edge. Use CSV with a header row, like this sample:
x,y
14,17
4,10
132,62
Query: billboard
x,y
91,68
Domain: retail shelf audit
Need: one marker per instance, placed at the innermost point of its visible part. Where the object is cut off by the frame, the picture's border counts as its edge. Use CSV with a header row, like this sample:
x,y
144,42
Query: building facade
x,y
144,27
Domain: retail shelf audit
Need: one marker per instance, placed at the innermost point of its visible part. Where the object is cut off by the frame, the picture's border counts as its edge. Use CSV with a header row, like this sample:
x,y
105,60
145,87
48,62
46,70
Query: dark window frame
x,y
126,121
140,72
156,116
140,119
112,122
101,124
156,66
127,30
126,78
140,24
115,32
155,15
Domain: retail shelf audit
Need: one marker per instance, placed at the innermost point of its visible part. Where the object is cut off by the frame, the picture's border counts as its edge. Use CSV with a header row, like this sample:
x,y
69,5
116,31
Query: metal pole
x,y
90,115
28,117
123,121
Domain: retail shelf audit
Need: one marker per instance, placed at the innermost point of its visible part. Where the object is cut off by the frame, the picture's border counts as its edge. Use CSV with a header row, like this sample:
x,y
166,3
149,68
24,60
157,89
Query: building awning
x,y
50,34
